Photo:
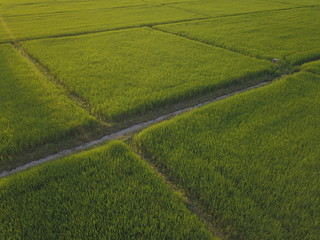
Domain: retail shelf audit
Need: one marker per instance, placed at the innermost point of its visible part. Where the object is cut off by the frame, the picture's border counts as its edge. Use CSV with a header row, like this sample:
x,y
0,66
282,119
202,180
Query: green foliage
x,y
3,34
33,110
300,2
90,20
106,193
252,159
39,7
126,72
291,35
215,8
313,67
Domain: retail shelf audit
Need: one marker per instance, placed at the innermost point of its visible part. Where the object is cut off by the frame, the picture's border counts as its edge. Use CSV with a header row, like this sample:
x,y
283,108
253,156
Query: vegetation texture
x,y
94,20
215,8
106,193
252,159
313,67
33,110
126,72
301,2
266,35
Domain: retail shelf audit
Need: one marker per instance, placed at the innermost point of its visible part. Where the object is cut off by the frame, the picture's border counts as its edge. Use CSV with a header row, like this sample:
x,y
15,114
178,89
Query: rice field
x,y
265,35
128,72
313,67
105,193
251,159
78,22
28,7
301,3
34,111
218,8
244,167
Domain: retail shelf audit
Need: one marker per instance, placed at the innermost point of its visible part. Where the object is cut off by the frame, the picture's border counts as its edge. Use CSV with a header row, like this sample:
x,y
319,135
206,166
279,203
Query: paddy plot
x,y
94,20
313,67
106,193
33,110
217,8
289,35
127,72
252,159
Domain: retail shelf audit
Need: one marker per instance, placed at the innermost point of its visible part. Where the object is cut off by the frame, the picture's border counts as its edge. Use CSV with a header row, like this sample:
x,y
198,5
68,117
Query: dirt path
x,y
123,132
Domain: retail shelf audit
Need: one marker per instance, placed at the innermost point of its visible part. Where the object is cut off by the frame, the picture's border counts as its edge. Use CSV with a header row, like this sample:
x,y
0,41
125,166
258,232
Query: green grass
x,y
33,110
217,8
290,35
313,67
3,34
15,8
106,193
127,72
252,159
299,2
77,22
27,7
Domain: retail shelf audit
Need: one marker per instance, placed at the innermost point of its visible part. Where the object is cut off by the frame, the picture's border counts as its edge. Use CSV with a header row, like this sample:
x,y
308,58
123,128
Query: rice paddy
x,y
245,166
34,111
267,35
252,159
95,20
124,73
106,193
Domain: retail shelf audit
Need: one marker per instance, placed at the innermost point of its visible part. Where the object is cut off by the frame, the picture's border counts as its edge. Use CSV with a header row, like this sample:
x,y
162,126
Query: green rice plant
x,y
215,8
289,35
105,193
123,73
252,159
33,110
94,20
28,7
18,8
313,67
300,2
3,34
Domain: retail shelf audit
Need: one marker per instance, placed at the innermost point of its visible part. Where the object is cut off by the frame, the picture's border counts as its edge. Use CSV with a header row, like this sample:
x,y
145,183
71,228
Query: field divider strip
x,y
148,5
206,43
45,71
112,29
246,13
79,11
6,29
193,205
125,131
151,25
